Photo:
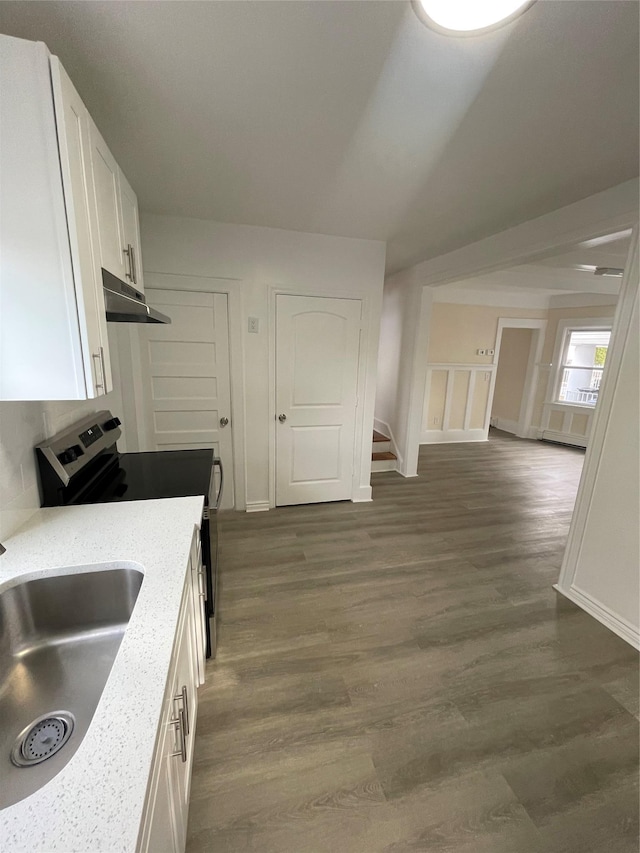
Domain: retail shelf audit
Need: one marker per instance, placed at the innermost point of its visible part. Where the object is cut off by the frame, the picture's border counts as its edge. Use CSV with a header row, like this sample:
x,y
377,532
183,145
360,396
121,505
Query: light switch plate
x,y
254,325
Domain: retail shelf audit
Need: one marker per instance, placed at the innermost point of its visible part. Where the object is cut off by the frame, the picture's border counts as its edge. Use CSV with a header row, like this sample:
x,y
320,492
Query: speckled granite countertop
x,y
96,802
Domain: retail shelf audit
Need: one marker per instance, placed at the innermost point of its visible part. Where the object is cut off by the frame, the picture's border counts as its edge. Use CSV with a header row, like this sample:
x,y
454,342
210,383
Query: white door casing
x,y
317,353
188,388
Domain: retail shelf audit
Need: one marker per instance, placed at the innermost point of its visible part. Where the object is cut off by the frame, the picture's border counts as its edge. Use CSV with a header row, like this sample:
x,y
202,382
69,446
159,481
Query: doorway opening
x,y
512,402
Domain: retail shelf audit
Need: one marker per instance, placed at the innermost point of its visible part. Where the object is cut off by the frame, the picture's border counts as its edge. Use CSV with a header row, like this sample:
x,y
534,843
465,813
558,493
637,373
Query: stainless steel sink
x,y
59,636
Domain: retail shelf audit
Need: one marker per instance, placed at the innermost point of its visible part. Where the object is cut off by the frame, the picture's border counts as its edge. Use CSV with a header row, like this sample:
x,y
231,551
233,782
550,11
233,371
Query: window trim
x,y
558,365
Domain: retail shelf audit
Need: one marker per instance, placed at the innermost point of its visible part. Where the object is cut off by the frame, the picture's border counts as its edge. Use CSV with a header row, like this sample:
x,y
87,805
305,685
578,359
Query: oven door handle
x,y
218,462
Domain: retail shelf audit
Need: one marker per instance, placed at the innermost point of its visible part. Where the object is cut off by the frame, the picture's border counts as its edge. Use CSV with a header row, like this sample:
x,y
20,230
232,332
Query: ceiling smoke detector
x,y
614,272
468,17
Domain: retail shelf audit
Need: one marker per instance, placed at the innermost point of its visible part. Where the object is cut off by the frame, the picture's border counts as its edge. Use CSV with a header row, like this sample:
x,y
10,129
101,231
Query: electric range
x,y
82,465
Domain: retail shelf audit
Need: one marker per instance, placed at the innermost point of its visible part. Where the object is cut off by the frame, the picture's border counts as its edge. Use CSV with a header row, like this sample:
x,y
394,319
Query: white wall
x,y
391,322
256,262
405,309
23,425
600,571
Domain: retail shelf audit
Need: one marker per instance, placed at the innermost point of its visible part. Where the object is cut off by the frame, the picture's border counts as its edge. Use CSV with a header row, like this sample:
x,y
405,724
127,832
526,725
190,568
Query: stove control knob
x,y
112,423
70,454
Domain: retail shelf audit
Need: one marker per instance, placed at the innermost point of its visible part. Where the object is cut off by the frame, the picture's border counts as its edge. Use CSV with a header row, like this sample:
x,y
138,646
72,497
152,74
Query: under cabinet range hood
x,y
125,304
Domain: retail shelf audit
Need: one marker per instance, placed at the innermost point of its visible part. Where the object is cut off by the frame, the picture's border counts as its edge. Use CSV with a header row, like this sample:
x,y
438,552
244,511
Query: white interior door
x,y
317,350
188,381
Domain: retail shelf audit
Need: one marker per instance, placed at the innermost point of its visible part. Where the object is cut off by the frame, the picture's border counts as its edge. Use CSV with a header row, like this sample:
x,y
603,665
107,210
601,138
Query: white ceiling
x,y
352,118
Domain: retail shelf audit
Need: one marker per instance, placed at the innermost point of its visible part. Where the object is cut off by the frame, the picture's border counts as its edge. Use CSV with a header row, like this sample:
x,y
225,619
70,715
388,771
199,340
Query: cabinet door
x,y
158,835
164,828
41,354
131,233
72,120
185,704
107,203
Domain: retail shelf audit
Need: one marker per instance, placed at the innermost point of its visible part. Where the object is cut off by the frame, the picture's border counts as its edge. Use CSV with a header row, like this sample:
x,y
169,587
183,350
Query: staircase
x,y
382,458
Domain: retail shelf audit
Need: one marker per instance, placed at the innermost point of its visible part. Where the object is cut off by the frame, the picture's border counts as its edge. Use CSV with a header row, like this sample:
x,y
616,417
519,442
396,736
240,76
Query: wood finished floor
x,y
400,676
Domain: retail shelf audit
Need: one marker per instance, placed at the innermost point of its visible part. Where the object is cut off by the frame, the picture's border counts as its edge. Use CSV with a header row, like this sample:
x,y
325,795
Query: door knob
x,y
224,422
282,418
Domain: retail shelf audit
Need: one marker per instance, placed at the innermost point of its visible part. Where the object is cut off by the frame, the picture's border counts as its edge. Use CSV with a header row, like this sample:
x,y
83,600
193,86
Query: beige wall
x,y
457,331
511,373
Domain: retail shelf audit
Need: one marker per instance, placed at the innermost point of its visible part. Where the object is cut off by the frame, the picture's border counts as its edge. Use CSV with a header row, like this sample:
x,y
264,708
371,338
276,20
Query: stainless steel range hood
x,y
125,304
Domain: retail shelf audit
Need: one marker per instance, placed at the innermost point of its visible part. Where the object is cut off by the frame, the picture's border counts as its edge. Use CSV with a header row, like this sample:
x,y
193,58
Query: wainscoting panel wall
x,y
566,424
455,407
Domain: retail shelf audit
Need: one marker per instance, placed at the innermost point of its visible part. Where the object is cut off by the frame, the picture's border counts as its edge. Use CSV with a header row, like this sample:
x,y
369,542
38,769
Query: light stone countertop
x,y
96,801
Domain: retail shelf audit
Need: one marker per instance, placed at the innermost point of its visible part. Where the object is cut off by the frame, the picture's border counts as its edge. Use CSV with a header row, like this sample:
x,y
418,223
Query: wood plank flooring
x,y
400,676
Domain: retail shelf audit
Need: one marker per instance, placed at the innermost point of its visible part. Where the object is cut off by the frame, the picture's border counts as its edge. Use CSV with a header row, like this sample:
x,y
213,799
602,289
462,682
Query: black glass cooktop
x,y
157,474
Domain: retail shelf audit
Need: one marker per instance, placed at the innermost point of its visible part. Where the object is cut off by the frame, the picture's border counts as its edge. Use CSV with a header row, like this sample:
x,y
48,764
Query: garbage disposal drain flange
x,y
42,738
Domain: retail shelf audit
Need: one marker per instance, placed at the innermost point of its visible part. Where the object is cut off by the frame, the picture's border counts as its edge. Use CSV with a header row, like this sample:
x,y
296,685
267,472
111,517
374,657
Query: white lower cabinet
x,y
164,826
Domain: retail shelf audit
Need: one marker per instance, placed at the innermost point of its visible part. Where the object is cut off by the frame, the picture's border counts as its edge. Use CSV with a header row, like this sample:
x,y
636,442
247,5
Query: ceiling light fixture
x,y
614,272
468,17
605,238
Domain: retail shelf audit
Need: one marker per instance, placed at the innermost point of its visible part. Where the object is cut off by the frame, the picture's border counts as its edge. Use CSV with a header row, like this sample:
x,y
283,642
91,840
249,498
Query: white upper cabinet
x,y
73,123
116,207
131,233
53,336
67,212
107,202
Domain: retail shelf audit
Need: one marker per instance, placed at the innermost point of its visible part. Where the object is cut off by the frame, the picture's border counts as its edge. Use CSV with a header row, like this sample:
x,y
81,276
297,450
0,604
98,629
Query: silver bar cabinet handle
x,y
104,372
127,252
182,697
218,462
99,357
185,699
180,723
132,257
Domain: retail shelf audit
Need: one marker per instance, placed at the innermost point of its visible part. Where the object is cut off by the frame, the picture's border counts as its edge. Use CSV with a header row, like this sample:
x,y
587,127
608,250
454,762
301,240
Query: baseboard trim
x,y
440,436
506,425
514,428
362,495
257,506
615,623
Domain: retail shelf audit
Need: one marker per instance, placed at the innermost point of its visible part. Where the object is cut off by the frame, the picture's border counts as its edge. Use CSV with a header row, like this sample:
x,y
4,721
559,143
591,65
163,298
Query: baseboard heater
x,y
563,444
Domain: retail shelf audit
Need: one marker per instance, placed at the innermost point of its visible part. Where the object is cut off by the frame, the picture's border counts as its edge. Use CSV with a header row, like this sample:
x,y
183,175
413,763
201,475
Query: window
x,y
583,356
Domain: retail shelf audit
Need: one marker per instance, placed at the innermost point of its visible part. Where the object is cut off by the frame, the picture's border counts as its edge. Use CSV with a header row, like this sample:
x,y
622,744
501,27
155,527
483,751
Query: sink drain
x,y
42,738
